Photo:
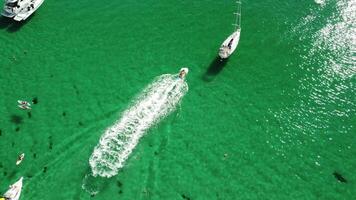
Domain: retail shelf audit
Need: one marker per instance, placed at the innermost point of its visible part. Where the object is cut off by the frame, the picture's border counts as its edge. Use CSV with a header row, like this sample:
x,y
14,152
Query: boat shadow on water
x,y
11,25
215,67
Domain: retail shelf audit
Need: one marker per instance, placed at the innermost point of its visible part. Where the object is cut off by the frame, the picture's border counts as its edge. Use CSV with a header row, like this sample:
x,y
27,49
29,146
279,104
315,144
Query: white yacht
x,y
20,9
230,44
14,191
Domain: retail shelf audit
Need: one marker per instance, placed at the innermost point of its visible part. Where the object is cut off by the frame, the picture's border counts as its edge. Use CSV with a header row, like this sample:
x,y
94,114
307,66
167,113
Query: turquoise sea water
x,y
276,121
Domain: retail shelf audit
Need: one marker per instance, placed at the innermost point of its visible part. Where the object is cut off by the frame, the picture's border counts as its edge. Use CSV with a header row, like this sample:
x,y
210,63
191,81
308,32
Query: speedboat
x,y
230,44
183,72
14,191
20,9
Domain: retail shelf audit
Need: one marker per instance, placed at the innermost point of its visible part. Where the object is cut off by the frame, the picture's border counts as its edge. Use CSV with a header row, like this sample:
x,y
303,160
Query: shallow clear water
x,y
273,122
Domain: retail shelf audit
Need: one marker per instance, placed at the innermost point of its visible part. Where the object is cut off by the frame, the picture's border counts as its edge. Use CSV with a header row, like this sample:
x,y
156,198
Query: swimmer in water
x,y
183,72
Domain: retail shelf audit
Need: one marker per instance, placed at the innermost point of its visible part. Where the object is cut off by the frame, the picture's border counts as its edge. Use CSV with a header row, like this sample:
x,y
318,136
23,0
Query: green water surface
x,y
273,122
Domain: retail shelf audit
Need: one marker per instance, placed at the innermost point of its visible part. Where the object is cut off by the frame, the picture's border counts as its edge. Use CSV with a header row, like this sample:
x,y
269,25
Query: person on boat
x,y
4,198
230,43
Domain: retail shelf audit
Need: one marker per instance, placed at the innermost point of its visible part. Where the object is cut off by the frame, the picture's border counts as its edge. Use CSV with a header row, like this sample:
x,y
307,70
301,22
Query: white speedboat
x,y
230,44
20,9
14,191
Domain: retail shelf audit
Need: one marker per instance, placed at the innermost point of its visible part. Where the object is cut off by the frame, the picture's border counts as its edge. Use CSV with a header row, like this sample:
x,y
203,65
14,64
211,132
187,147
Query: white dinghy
x,y
230,44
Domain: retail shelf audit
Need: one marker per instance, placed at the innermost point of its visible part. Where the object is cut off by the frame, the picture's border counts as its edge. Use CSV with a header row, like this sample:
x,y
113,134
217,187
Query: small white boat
x,y
20,158
14,191
229,45
20,9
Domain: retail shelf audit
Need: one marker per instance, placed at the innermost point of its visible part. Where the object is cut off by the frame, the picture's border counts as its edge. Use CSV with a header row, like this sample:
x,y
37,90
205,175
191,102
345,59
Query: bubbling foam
x,y
156,101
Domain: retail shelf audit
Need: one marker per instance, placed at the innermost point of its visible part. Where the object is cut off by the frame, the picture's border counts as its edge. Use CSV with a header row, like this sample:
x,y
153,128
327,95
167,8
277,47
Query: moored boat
x,y
231,42
20,9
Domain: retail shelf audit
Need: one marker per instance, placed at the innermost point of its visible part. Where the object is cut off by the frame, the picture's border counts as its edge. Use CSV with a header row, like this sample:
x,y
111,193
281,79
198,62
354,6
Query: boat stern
x,y
224,52
8,12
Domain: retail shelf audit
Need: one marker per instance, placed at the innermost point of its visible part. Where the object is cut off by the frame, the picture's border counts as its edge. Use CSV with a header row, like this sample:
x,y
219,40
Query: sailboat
x,y
231,42
20,9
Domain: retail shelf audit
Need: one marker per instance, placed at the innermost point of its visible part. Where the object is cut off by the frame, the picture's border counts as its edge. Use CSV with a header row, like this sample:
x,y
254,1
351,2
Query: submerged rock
x,y
35,100
339,177
16,119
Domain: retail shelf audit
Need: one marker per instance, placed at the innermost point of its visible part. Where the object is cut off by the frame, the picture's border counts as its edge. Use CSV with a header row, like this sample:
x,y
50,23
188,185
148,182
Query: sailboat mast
x,y
238,16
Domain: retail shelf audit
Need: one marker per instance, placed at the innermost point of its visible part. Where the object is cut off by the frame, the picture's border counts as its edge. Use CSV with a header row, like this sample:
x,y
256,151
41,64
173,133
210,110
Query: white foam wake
x,y
156,101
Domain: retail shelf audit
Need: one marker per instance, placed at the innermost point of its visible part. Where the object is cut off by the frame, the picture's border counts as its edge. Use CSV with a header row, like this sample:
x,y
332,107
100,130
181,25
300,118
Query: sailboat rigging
x,y
230,44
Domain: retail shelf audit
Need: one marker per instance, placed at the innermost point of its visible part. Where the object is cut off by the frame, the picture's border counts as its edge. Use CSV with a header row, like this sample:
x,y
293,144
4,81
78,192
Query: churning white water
x,y
155,102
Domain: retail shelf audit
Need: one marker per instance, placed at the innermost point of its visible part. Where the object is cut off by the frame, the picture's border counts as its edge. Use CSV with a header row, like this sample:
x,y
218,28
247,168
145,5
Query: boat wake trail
x,y
155,102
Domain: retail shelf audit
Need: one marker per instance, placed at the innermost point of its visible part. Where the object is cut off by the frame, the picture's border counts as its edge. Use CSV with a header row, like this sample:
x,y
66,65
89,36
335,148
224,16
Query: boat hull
x,y
26,9
229,45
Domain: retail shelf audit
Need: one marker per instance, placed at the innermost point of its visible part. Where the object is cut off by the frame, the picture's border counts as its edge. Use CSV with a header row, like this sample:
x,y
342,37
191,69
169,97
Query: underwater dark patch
x,y
35,100
339,177
185,197
76,89
16,119
118,184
